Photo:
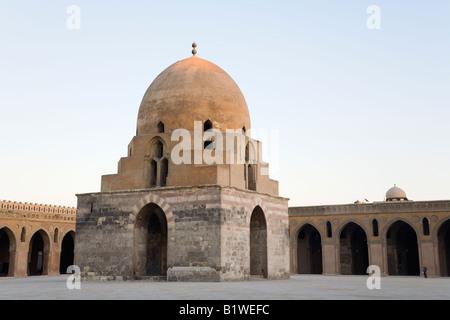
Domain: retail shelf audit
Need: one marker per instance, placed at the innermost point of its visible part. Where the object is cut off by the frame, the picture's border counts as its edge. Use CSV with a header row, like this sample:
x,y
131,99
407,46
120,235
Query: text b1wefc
x,y
226,309
246,309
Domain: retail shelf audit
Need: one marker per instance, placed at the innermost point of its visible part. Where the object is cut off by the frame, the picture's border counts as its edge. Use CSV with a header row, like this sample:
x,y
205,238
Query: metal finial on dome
x,y
194,51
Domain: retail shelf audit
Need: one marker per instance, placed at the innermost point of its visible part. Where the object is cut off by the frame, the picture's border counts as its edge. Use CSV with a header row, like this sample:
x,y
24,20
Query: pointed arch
x,y
207,125
402,249
38,253
153,198
309,250
67,251
252,206
150,241
353,249
7,252
258,243
158,162
154,147
443,238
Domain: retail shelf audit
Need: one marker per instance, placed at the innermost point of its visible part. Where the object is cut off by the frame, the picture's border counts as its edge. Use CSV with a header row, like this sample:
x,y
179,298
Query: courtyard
x,y
298,287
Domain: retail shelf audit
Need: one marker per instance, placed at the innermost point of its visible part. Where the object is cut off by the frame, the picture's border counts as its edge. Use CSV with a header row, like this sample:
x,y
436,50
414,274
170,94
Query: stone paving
x,y
299,287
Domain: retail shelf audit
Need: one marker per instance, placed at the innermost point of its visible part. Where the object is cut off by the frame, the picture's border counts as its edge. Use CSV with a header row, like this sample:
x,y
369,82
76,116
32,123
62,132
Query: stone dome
x,y
191,90
396,193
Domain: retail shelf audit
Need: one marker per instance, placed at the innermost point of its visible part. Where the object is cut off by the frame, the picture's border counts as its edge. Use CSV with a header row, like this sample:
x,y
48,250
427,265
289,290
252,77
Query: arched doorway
x,y
7,251
258,243
444,248
309,250
38,254
402,250
67,252
354,255
150,242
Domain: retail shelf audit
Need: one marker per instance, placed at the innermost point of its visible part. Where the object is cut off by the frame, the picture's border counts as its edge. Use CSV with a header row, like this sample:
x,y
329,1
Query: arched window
x,y
159,164
23,234
375,227
158,149
251,178
247,153
161,127
153,173
55,236
164,171
250,168
207,126
329,233
425,227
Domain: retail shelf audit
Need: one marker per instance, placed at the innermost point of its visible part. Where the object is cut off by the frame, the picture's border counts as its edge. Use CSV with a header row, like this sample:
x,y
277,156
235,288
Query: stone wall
x,y
236,233
208,232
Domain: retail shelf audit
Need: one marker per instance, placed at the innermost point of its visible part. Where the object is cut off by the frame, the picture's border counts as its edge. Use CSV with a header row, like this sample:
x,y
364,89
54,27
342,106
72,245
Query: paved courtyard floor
x,y
299,287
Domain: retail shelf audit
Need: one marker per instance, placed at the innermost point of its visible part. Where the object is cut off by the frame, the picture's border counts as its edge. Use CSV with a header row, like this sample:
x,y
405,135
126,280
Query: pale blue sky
x,y
357,110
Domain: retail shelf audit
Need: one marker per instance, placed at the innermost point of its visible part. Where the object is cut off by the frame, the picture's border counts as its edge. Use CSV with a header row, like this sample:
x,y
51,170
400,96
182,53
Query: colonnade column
x,y
329,257
21,260
377,255
54,257
427,257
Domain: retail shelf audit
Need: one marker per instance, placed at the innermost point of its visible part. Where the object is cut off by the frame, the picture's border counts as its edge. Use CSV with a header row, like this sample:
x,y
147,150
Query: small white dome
x,y
396,194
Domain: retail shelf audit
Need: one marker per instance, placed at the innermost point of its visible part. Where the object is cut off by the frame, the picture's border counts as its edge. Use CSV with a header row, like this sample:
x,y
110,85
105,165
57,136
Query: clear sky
x,y
357,109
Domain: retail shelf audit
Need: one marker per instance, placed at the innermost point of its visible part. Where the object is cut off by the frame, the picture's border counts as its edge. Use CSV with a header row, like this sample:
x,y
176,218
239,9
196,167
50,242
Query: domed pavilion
x,y
192,200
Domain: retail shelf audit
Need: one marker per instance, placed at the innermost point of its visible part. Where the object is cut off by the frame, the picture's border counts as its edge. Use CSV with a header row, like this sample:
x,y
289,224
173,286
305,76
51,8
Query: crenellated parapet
x,y
24,210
